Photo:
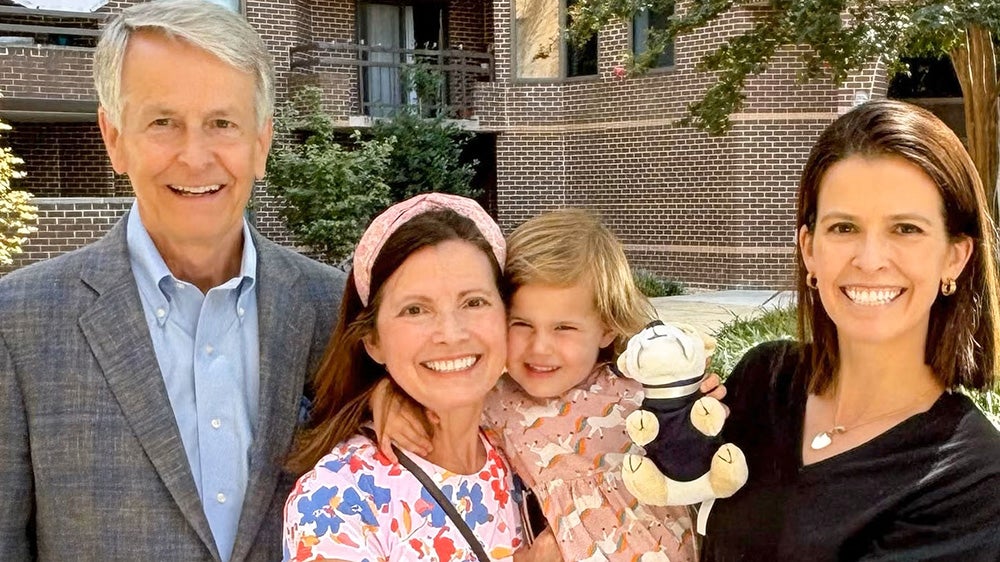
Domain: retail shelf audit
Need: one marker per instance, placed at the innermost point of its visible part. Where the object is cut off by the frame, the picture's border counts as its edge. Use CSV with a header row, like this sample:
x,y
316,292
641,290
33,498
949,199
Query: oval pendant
x,y
822,440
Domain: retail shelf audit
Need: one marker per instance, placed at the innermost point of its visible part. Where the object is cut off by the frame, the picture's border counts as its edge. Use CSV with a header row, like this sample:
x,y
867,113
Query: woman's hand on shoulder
x,y
543,549
397,420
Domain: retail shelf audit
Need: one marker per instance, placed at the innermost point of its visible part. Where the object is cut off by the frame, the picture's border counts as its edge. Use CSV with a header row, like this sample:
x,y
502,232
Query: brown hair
x,y
347,375
570,246
962,336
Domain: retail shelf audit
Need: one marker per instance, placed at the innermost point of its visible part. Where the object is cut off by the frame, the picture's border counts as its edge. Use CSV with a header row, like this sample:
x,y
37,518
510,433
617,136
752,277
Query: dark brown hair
x,y
962,336
347,375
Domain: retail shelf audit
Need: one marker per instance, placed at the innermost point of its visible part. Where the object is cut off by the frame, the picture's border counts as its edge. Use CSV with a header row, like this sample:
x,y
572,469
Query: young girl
x,y
560,415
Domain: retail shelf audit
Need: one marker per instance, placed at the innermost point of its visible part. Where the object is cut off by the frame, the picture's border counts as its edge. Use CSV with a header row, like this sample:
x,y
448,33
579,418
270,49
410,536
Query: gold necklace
x,y
823,439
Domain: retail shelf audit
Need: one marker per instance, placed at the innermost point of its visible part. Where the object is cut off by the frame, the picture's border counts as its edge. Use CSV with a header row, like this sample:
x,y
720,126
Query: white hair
x,y
208,26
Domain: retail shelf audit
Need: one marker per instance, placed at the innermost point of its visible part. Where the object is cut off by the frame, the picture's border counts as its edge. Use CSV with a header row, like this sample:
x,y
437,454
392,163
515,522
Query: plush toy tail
x,y
703,510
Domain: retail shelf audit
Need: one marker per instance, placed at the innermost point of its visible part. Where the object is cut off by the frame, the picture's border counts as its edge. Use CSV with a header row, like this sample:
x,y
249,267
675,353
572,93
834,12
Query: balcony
x,y
374,81
45,64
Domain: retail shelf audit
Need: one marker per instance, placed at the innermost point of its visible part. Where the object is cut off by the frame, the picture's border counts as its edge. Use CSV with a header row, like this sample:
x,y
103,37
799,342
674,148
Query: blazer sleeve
x,y
17,491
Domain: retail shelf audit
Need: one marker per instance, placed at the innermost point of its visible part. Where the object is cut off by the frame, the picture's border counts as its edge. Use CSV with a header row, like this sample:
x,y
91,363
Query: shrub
x,y
653,285
740,334
332,189
17,215
426,155
331,192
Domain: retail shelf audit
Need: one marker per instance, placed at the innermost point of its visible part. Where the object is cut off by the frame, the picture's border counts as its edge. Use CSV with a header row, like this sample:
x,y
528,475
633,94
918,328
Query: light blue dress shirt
x,y
207,349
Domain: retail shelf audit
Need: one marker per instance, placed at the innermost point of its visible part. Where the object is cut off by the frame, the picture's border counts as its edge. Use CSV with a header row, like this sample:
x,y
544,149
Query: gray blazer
x,y
91,461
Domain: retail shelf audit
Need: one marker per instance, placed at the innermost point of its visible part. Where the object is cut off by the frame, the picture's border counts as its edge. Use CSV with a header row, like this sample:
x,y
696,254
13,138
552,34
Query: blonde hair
x,y
570,246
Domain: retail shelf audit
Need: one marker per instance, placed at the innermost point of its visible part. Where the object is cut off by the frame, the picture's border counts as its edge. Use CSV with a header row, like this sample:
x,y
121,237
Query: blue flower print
x,y
476,513
353,504
437,514
316,509
380,496
334,465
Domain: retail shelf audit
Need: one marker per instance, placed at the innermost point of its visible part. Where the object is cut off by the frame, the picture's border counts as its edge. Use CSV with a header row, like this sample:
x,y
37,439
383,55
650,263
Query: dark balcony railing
x,y
392,77
21,26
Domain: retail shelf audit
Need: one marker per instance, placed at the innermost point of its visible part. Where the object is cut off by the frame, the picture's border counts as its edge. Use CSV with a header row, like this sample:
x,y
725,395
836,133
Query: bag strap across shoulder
x,y
446,505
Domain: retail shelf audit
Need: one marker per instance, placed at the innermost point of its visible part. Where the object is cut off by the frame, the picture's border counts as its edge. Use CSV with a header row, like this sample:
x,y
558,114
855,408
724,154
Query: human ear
x,y
805,240
263,146
373,349
112,142
958,256
607,338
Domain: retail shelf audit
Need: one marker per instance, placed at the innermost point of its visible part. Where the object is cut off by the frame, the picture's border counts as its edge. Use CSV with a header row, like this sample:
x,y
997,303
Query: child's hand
x,y
397,420
543,549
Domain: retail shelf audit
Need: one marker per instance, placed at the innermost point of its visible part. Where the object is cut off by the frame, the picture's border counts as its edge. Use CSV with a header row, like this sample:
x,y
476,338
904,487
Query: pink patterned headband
x,y
392,218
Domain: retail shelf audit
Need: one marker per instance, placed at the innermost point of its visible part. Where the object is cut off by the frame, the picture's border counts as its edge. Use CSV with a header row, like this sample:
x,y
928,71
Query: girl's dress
x,y
356,505
569,450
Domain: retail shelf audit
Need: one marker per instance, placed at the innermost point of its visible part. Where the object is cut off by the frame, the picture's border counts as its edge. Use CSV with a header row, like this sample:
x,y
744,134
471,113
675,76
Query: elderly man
x,y
151,383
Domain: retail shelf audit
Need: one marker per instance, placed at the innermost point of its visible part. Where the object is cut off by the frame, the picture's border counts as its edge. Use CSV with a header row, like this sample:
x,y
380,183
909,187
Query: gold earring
x,y
811,281
948,286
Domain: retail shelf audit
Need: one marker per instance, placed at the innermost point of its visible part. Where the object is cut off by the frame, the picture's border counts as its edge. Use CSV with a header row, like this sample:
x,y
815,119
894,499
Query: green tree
x,y
842,37
17,215
426,155
332,186
331,192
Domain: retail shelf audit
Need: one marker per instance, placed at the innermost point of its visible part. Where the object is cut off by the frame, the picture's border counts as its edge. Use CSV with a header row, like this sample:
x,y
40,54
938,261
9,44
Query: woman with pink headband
x,y
421,307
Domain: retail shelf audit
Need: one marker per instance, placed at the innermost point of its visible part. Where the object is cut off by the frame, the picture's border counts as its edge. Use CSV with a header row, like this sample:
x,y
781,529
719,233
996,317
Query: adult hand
x,y
543,549
712,386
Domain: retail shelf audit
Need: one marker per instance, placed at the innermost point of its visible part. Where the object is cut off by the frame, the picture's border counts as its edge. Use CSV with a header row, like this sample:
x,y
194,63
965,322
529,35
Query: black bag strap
x,y
446,505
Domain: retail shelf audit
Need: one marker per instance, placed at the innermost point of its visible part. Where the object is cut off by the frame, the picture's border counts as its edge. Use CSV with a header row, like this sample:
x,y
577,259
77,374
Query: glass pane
x,y
233,5
644,21
383,90
537,38
582,60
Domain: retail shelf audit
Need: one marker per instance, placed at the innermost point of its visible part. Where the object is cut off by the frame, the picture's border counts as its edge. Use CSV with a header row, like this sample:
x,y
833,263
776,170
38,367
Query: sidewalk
x,y
709,311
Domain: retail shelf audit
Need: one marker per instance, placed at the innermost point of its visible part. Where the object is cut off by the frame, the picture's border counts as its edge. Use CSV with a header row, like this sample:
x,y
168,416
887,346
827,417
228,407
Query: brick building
x,y
557,126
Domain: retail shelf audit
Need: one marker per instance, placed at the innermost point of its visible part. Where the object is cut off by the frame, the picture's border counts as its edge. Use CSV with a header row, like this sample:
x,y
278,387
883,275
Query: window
x,y
581,60
540,46
389,31
233,5
645,20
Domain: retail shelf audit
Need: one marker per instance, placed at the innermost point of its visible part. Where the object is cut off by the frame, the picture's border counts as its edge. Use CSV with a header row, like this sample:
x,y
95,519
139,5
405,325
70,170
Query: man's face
x,y
189,141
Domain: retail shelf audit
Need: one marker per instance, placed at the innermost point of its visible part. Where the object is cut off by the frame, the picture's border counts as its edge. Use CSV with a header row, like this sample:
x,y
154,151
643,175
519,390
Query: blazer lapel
x,y
115,327
286,323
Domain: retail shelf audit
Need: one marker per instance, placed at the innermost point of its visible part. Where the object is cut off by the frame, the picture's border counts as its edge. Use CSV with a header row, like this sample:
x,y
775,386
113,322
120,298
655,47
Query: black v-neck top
x,y
927,489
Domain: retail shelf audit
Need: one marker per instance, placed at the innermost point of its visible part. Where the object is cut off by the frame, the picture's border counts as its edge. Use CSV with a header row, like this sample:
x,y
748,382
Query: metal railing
x,y
49,27
386,74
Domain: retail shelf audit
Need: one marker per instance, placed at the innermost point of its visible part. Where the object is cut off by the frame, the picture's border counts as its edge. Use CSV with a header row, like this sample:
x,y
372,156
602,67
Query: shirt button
x,y
160,313
220,497
216,423
240,311
209,349
179,285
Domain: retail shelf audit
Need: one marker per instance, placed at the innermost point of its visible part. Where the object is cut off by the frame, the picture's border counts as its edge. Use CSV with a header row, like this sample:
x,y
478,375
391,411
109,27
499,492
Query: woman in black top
x,y
858,446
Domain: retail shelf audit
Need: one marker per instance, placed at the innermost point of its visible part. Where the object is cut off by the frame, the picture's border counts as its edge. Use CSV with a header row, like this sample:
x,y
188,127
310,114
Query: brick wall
x,y
64,160
709,211
67,223
47,72
712,212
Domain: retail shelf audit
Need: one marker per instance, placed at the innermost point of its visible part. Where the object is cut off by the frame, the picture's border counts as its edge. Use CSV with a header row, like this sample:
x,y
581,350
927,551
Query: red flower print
x,y
443,546
499,493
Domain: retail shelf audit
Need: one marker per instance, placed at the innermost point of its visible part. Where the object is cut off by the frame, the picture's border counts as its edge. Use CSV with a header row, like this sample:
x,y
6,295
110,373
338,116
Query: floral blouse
x,y
356,505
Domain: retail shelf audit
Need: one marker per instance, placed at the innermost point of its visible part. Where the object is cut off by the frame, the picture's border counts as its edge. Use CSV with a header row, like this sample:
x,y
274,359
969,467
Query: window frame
x,y
563,50
658,68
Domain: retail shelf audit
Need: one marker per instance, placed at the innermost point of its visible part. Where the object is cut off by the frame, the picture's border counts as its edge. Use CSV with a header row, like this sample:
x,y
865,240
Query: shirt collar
x,y
151,271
